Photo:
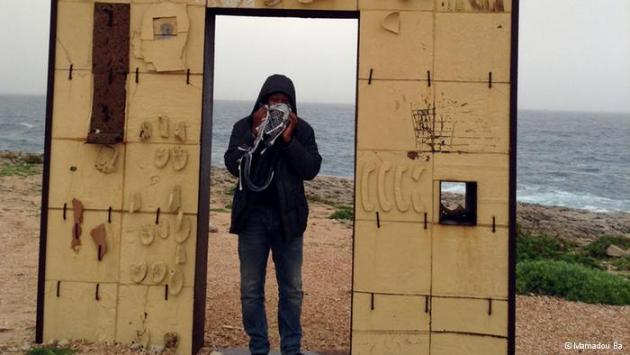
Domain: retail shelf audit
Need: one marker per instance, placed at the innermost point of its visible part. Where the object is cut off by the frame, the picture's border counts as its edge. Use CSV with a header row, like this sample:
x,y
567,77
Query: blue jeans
x,y
262,233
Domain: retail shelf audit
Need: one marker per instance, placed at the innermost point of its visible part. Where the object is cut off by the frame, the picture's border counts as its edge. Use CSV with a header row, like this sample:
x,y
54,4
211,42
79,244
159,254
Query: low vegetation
x,y
19,169
343,212
550,266
50,351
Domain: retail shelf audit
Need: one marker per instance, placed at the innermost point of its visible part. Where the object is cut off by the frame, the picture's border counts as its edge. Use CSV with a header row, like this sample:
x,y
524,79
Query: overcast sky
x,y
574,54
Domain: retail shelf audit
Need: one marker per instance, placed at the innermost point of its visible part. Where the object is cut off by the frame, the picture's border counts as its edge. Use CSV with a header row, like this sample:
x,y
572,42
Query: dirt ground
x,y
543,324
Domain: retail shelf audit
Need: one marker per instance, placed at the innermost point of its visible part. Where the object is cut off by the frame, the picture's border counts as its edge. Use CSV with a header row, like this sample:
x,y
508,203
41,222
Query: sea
x,y
571,159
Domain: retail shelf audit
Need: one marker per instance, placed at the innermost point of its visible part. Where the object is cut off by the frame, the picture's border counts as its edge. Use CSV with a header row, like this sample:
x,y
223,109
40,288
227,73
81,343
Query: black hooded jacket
x,y
294,162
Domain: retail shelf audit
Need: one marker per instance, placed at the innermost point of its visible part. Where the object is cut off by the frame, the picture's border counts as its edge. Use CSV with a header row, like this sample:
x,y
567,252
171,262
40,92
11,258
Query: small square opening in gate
x,y
458,203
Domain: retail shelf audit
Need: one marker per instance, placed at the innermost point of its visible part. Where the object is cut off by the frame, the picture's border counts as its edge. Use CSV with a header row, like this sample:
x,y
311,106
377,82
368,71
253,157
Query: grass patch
x,y
622,264
18,169
571,281
50,351
230,191
225,210
597,248
343,213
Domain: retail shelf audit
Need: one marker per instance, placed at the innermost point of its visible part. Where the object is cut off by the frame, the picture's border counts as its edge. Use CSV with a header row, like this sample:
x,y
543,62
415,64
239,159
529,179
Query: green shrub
x,y
535,247
230,191
622,264
50,351
572,282
597,248
19,169
343,213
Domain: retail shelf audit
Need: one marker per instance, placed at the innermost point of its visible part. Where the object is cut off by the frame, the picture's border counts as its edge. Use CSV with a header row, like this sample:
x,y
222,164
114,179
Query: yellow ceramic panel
x,y
73,174
102,1
471,118
72,109
394,185
469,46
391,313
188,2
470,262
164,95
63,263
475,5
388,112
190,36
395,258
396,45
491,173
449,344
287,4
160,246
310,4
469,316
76,314
374,343
74,35
396,4
143,308
156,185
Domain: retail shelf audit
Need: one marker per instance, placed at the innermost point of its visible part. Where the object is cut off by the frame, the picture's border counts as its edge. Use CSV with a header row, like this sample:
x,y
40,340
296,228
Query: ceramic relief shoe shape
x,y
175,199
161,157
180,158
106,159
138,272
180,255
180,131
175,280
147,234
158,272
146,131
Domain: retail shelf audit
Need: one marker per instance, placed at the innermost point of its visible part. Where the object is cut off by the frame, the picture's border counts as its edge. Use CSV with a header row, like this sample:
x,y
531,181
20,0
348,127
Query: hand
x,y
288,131
258,116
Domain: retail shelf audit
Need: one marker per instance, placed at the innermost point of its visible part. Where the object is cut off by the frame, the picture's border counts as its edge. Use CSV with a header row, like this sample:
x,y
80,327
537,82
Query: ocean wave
x,y
586,201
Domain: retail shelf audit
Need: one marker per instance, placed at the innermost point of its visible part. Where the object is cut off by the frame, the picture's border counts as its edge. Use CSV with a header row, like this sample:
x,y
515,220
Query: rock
x,y
156,349
26,347
135,346
63,342
212,228
615,251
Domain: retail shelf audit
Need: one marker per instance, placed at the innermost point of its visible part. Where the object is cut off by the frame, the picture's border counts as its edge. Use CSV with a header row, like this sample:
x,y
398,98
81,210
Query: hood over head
x,y
276,83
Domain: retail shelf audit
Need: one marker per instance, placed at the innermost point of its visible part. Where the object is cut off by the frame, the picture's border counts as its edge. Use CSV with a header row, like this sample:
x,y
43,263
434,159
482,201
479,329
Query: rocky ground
x,y
543,324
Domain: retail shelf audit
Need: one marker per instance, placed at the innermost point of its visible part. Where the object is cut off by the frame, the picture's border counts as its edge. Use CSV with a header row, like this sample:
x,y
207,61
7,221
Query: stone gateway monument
x,y
124,219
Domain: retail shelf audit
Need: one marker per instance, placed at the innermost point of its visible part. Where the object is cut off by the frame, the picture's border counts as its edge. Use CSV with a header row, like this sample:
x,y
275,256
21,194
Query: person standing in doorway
x,y
272,215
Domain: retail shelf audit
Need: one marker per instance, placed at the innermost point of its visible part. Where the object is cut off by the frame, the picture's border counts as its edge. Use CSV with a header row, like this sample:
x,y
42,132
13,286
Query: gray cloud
x,y
573,54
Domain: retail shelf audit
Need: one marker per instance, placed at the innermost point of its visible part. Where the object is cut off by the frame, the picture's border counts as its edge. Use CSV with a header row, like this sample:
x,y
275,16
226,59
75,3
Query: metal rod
x,y
96,295
490,79
188,77
372,301
109,215
58,288
157,216
494,224
137,75
70,72
426,304
489,306
99,257
429,77
65,207
425,221
166,292
370,78
378,220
